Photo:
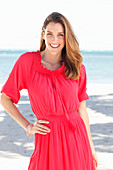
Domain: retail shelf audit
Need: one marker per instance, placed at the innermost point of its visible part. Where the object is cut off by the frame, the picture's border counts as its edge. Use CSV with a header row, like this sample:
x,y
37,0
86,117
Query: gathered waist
x,y
67,117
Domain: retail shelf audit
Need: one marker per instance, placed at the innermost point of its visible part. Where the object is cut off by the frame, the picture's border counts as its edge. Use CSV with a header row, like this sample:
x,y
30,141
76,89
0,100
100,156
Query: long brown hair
x,y
70,53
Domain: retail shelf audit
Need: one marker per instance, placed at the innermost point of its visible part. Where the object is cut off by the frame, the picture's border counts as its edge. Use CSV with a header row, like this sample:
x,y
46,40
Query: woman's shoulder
x,y
82,69
26,57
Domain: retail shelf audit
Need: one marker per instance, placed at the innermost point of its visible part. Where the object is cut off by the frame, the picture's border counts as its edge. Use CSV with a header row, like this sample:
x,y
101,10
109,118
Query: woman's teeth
x,y
55,46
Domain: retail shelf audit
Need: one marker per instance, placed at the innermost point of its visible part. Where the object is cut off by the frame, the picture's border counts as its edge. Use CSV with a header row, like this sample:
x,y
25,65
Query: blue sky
x,y
21,22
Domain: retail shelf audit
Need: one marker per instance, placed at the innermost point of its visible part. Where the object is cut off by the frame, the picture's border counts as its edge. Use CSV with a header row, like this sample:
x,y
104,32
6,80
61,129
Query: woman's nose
x,y
54,39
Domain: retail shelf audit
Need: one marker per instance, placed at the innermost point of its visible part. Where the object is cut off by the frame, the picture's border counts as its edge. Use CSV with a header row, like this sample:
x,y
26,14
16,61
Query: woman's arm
x,y
84,115
13,111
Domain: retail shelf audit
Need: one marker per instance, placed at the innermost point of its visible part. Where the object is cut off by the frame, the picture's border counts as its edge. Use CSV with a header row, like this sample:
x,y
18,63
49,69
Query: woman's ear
x,y
43,34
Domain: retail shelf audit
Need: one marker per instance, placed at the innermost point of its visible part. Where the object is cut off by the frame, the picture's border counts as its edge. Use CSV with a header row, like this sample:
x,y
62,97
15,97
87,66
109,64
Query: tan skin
x,y
53,35
84,115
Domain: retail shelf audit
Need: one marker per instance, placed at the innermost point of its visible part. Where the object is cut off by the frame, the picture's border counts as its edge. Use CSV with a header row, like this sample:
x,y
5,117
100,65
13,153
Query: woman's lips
x,y
54,46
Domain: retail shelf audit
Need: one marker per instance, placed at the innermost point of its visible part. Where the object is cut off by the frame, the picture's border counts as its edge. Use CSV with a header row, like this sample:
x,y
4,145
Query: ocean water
x,y
99,65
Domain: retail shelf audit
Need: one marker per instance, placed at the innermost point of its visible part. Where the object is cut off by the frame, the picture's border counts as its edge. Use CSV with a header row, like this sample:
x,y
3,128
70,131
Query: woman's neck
x,y
51,59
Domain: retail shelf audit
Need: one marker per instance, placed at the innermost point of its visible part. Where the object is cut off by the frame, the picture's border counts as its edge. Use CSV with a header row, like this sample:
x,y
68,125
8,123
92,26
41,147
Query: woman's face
x,y
54,38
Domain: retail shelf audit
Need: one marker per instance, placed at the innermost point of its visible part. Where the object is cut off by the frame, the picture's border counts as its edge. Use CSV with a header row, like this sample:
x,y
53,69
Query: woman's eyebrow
x,y
48,31
58,32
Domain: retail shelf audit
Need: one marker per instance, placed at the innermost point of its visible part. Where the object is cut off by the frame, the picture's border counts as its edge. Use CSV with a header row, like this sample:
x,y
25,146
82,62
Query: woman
x,y
56,82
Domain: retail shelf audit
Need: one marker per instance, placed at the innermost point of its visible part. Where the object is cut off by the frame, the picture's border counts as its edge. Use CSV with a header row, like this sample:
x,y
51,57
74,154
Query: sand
x,y
16,147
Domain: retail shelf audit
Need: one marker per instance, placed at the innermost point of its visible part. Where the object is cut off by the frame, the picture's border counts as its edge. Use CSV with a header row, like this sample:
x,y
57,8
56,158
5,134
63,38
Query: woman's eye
x,y
61,35
49,34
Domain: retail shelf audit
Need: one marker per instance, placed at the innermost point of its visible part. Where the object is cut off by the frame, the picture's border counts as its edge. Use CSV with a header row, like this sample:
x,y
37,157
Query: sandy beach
x,y
16,147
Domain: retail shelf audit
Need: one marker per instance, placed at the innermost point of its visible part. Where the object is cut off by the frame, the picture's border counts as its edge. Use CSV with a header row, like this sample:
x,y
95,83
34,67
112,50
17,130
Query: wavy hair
x,y
70,53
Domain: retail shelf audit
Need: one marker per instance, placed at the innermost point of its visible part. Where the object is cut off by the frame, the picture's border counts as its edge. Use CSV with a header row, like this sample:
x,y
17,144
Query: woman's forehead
x,y
53,27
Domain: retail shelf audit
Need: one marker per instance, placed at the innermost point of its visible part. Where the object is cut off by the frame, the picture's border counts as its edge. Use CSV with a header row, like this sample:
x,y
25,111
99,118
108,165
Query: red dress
x,y
56,99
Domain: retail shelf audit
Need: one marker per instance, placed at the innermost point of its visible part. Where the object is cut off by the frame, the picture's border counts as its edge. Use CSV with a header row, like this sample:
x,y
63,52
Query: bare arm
x,y
84,115
13,111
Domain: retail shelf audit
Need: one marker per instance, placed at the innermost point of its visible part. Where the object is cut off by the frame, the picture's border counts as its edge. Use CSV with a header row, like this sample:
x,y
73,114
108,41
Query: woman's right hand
x,y
38,127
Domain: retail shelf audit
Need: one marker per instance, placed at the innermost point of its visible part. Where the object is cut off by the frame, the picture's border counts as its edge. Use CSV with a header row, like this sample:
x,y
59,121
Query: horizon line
x,y
82,50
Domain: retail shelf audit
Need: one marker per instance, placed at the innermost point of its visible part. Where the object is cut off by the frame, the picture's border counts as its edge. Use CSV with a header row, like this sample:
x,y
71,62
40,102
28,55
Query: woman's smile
x,y
54,46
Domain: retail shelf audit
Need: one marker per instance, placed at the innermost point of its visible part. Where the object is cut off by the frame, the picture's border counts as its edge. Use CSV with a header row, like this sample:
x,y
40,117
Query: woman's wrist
x,y
29,127
92,148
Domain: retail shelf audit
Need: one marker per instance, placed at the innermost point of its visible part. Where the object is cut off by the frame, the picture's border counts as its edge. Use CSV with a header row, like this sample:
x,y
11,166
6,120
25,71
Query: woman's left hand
x,y
95,159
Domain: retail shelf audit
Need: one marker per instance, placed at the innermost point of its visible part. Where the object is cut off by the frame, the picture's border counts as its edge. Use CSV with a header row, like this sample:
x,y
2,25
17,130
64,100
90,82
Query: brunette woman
x,y
56,82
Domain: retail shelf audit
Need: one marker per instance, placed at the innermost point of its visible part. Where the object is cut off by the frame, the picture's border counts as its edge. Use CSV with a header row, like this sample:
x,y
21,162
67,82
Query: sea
x,y
99,65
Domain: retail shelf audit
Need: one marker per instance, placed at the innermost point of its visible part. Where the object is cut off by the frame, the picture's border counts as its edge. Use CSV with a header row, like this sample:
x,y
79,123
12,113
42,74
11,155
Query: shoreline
x,y
92,88
99,89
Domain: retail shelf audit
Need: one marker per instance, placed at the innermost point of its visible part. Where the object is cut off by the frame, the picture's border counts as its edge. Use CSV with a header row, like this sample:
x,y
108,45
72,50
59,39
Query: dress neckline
x,y
46,70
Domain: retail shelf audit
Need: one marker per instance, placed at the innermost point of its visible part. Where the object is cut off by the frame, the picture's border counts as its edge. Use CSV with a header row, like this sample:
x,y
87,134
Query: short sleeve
x,y
82,85
17,79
